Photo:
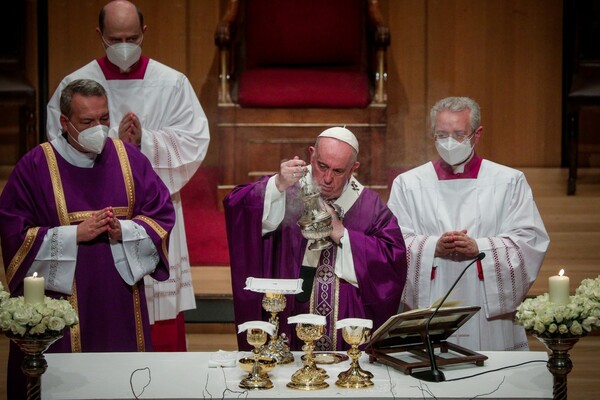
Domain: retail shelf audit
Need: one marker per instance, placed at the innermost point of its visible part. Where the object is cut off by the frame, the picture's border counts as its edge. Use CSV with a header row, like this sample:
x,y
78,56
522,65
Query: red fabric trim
x,y
169,335
433,273
112,72
303,88
444,170
479,270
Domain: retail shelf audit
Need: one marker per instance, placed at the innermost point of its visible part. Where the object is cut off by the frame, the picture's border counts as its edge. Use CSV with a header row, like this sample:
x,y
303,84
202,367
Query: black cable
x,y
145,386
495,370
238,392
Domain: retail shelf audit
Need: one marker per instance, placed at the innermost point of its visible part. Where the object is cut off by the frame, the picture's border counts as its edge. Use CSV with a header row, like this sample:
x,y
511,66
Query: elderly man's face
x,y
332,164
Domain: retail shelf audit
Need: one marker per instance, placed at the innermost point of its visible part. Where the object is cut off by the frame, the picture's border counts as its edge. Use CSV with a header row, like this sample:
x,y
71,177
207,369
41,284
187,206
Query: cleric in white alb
x,y
449,211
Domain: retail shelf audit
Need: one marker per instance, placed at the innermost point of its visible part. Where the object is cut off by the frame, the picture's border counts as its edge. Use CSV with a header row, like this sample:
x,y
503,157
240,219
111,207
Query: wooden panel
x,y
485,50
202,17
407,83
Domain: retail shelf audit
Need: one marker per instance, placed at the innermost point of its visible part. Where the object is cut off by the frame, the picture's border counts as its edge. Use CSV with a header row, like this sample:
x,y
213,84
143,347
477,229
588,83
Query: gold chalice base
x,y
279,350
261,379
354,378
308,379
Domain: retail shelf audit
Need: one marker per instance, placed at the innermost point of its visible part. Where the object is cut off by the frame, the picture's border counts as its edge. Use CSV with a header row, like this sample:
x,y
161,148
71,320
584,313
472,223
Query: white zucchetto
x,y
342,134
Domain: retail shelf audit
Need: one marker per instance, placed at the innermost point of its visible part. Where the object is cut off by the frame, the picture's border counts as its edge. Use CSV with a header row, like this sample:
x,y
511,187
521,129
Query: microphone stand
x,y
434,374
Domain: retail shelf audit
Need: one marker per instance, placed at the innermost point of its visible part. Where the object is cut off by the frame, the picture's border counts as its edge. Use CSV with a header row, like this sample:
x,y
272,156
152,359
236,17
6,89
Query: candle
x,y
558,288
34,289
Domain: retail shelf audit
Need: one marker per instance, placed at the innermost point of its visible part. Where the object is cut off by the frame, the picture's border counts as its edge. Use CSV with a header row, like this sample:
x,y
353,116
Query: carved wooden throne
x,y
290,69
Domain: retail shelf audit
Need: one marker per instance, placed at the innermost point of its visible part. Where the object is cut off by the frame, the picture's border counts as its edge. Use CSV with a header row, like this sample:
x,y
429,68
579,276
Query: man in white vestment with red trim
x,y
450,210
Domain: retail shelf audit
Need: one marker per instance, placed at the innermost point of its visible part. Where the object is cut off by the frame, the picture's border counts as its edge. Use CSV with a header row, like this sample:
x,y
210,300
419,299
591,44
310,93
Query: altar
x,y
188,376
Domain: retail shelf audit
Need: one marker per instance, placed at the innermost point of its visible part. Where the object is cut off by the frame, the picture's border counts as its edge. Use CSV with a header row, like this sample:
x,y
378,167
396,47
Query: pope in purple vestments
x,y
93,223
368,265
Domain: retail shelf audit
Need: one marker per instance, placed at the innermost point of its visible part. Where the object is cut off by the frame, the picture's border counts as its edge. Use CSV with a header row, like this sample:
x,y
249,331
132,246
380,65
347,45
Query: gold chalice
x,y
277,347
355,377
309,377
257,366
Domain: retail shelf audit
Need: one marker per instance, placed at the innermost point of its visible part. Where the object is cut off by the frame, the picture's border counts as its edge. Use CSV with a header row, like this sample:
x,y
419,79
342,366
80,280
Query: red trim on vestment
x,y
169,335
112,72
445,172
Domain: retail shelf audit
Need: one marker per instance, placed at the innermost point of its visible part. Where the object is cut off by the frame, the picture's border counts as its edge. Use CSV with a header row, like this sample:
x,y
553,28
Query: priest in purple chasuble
x,y
92,217
361,276
452,209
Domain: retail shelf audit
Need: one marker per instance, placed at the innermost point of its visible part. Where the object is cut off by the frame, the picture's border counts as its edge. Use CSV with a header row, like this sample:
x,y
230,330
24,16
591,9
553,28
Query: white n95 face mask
x,y
93,138
452,151
124,55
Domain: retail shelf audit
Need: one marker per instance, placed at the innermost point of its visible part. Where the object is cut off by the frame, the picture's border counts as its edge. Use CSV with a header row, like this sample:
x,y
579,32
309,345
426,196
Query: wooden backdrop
x,y
506,54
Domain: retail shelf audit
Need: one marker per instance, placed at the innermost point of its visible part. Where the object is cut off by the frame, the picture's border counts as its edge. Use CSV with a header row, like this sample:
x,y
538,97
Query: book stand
x,y
400,341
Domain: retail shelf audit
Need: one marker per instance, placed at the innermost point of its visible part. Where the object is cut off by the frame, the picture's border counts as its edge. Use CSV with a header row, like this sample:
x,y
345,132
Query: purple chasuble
x,y
378,252
113,315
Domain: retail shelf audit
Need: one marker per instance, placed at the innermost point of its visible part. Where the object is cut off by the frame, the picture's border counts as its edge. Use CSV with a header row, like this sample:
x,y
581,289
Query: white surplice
x,y
175,138
497,209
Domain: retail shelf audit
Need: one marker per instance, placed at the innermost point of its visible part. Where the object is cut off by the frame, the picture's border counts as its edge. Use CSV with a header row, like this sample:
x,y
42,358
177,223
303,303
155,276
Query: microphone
x,y
435,375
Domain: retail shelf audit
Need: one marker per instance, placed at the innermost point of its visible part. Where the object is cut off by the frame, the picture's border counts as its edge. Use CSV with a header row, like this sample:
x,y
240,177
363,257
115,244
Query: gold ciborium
x,y
257,366
309,377
355,377
315,221
277,347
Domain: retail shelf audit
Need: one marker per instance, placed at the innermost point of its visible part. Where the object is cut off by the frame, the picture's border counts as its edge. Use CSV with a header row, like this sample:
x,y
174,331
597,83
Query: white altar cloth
x,y
187,376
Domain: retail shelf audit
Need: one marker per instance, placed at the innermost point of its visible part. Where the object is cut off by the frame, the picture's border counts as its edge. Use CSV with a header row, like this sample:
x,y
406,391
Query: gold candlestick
x,y
277,347
257,366
309,377
355,377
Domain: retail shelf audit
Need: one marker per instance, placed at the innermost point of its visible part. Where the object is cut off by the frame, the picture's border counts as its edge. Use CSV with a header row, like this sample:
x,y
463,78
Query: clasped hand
x,y
456,246
98,223
130,129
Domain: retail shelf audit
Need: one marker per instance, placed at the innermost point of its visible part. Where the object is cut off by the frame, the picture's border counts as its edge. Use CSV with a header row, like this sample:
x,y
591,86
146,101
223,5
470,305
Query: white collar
x,y
71,154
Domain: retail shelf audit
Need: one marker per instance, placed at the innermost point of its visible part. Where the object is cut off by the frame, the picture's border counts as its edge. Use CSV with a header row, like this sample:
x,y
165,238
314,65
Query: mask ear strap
x,y
71,136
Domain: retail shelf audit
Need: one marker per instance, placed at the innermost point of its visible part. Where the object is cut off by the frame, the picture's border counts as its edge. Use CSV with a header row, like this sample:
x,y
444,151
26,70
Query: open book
x,y
402,341
447,304
409,326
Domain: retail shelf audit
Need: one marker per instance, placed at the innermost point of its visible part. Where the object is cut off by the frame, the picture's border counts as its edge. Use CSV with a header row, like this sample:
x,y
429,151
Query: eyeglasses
x,y
460,136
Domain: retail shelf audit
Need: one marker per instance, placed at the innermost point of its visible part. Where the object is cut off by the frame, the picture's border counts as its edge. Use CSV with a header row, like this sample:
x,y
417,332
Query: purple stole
x,y
324,298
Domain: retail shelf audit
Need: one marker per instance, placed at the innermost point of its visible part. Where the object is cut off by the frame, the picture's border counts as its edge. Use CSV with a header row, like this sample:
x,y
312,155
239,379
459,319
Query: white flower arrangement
x,y
543,318
48,318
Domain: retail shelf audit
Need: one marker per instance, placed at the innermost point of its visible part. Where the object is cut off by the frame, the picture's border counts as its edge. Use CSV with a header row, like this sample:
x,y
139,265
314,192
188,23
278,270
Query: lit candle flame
x,y
34,275
561,273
